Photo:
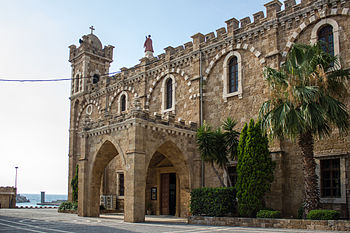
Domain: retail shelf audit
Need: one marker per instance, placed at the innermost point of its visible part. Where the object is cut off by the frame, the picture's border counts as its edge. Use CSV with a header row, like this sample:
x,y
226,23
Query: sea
x,y
36,198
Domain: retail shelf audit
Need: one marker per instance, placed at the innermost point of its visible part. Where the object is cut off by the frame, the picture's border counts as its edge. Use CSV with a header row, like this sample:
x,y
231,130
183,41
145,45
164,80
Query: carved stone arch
x,y
161,76
225,51
107,138
89,102
117,93
324,17
173,153
335,30
90,188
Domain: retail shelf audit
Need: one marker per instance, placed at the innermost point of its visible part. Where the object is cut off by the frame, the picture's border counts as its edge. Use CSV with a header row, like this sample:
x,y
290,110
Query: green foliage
x,y
305,93
254,170
217,146
268,214
102,207
67,205
75,206
300,212
74,184
213,201
323,215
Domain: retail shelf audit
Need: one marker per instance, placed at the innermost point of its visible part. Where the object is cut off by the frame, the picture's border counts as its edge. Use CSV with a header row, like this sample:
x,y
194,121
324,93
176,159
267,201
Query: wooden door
x,y
164,193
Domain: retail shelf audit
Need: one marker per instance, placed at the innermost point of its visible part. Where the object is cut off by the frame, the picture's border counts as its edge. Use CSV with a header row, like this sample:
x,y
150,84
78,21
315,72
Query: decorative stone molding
x,y
118,92
224,51
334,24
90,102
161,76
322,18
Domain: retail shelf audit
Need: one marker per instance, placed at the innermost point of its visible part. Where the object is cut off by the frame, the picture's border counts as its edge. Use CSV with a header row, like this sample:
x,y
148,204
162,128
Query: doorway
x,y
168,193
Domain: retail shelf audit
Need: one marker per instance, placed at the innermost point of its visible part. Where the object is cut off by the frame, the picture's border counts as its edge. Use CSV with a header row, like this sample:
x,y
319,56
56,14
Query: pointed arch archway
x,y
168,181
90,178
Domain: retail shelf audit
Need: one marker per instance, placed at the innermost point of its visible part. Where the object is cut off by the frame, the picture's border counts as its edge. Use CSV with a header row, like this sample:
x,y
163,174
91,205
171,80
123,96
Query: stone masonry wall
x,y
263,41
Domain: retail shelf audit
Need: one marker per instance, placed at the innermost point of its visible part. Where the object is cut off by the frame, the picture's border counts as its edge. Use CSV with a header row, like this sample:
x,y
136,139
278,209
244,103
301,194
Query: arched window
x,y
123,103
327,32
169,93
325,36
233,75
168,90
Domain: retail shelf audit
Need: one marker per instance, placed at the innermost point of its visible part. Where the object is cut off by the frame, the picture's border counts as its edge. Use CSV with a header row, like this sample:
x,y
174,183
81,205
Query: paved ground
x,y
50,221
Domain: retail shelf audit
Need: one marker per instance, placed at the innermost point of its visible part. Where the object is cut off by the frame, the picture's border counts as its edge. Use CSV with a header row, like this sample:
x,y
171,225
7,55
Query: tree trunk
x,y
311,192
229,182
217,174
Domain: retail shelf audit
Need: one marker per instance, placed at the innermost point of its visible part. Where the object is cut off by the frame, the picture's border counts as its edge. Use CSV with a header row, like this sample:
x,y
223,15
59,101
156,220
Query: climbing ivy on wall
x,y
74,184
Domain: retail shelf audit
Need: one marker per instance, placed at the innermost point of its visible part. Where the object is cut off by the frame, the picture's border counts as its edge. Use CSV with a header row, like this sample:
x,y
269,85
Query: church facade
x,y
133,134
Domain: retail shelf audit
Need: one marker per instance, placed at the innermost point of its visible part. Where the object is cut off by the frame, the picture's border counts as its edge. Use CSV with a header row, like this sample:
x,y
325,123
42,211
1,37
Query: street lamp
x,y
16,178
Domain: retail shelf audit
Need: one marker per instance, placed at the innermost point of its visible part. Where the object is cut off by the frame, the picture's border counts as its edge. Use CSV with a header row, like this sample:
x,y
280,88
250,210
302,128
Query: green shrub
x,y
102,207
67,205
75,206
254,170
268,214
323,215
213,201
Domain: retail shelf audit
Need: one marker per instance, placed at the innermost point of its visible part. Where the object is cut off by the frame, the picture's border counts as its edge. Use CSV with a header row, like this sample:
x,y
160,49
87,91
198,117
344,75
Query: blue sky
x,y
34,40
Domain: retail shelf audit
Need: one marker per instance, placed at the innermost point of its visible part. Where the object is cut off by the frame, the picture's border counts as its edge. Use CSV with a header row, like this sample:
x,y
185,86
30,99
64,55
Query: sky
x,y
34,40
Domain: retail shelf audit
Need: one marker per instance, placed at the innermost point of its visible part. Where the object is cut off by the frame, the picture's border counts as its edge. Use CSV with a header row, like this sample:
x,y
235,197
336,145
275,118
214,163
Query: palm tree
x,y
305,103
216,146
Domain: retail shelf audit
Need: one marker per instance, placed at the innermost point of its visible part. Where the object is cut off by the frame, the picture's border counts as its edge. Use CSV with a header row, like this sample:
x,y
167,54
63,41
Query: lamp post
x,y
16,178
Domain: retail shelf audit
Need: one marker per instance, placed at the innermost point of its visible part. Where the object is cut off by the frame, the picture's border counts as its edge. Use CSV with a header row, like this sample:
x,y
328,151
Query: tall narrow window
x,y
123,103
325,36
233,75
169,93
330,178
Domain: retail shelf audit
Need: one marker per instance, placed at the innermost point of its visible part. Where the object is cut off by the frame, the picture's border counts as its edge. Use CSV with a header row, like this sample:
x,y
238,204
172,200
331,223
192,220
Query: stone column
x,y
83,202
135,185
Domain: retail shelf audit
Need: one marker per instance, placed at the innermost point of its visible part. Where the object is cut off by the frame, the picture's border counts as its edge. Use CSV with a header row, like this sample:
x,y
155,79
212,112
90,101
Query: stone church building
x,y
133,134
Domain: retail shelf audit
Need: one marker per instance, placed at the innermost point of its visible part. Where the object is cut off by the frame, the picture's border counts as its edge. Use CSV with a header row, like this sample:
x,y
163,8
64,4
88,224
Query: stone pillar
x,y
83,202
135,186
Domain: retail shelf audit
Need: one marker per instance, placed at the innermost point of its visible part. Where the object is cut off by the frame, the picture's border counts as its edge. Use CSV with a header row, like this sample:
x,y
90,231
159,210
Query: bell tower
x,y
90,67
90,63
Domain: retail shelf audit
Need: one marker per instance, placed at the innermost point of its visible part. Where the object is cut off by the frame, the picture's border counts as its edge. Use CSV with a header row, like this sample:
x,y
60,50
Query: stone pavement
x,y
49,221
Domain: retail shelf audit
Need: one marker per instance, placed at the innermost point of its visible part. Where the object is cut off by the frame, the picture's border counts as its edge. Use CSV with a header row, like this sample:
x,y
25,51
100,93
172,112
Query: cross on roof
x,y
92,29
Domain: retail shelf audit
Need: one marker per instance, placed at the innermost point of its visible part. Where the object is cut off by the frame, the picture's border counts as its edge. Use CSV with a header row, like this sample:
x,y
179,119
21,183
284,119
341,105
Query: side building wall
x,y
7,197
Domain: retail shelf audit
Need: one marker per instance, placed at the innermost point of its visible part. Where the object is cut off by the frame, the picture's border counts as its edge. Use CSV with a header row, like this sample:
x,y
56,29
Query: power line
x,y
52,80
67,79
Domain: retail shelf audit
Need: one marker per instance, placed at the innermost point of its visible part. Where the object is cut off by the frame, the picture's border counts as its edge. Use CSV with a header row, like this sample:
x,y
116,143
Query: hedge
x,y
268,214
67,205
213,201
323,215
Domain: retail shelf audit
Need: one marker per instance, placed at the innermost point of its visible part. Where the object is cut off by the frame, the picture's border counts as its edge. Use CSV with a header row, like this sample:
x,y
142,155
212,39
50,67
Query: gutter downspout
x,y
201,110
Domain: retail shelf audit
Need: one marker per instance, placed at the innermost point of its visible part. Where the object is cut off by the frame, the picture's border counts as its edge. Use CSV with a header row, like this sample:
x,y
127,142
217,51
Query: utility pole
x,y
16,178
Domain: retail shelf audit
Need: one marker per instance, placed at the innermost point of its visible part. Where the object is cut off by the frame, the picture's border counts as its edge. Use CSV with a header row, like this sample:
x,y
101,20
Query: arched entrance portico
x,y
90,179
167,183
